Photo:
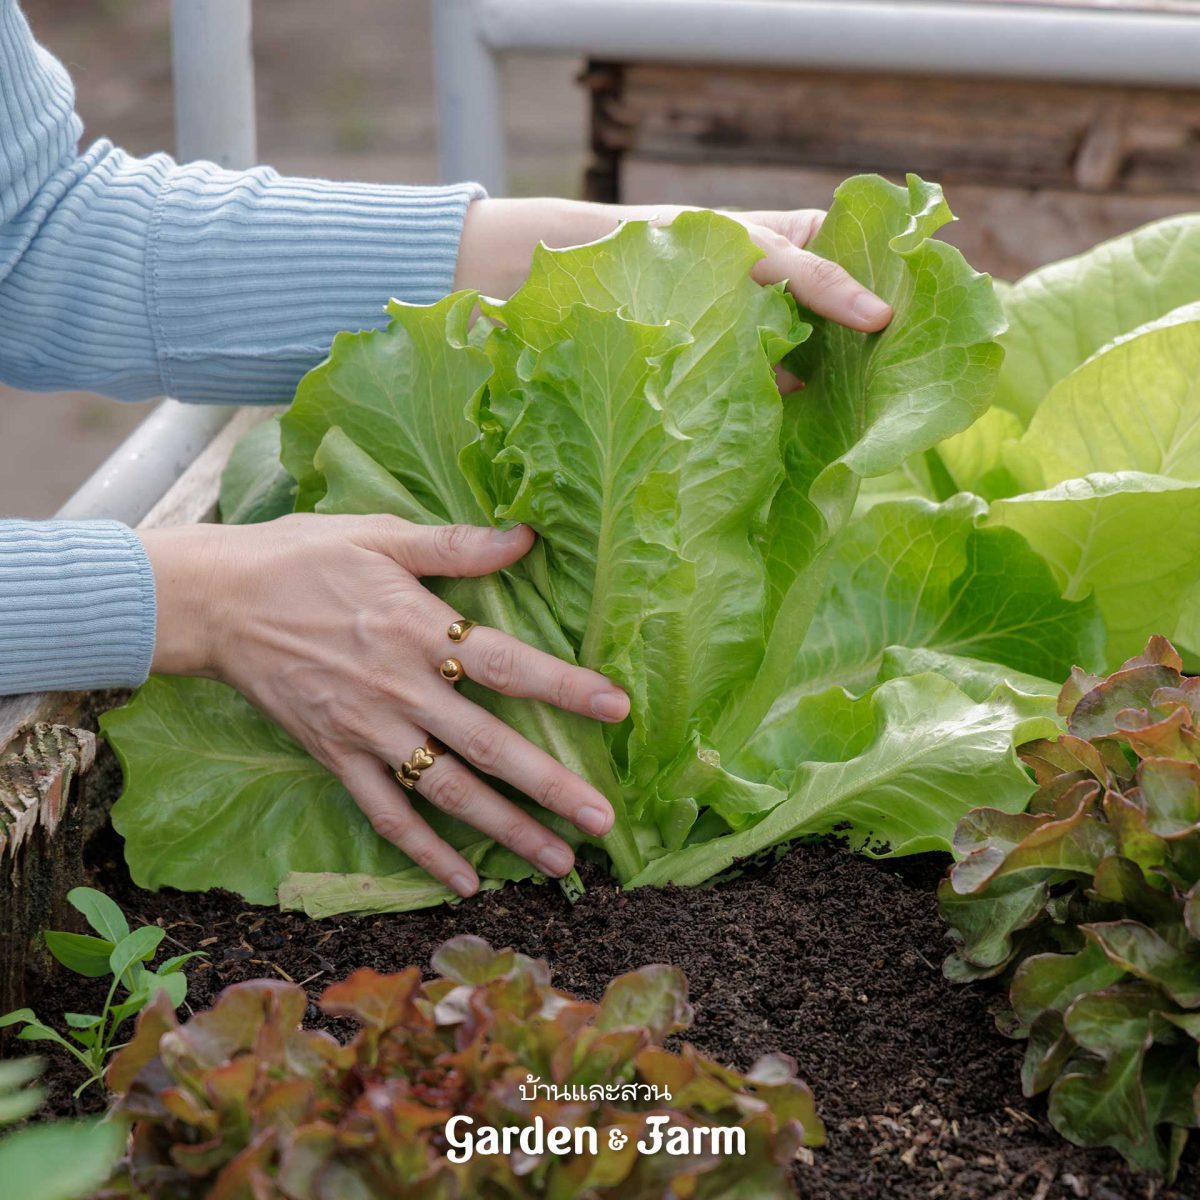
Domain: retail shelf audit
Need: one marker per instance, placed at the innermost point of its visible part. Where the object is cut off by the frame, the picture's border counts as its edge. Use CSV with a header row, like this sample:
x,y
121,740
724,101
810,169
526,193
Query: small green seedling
x,y
118,952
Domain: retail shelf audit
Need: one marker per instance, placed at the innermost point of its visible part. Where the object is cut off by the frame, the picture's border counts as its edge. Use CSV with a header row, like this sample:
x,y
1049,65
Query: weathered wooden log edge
x,y
48,745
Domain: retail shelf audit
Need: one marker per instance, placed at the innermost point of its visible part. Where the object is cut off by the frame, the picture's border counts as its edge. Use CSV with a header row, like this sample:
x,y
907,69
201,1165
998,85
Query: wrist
x,y
500,236
185,563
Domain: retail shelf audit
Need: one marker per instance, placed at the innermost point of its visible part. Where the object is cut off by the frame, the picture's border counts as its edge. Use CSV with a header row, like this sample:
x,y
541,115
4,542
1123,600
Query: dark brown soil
x,y
824,955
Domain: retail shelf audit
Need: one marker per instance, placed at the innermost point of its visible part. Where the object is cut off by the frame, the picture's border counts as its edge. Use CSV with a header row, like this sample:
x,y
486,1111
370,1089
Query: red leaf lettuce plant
x,y
1091,902
241,1102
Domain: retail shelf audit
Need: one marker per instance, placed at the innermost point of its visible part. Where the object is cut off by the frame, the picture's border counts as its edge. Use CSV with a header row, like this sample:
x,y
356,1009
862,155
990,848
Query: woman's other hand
x,y
322,622
499,237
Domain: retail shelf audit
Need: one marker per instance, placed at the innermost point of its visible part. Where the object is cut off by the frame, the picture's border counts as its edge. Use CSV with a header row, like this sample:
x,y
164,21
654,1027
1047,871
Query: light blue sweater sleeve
x,y
142,277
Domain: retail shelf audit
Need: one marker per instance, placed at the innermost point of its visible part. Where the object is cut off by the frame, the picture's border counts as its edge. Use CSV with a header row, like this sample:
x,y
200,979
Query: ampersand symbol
x,y
616,1139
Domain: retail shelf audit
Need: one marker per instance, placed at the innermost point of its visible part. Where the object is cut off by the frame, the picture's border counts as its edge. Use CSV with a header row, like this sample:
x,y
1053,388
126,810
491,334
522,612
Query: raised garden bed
x,y
827,956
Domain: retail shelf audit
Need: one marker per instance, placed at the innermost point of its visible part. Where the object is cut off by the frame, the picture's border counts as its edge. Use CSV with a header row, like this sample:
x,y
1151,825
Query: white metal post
x,y
213,65
213,62
469,95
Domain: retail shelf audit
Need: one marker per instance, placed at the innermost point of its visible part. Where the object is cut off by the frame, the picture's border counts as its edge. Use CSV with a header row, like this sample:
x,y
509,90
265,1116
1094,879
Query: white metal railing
x,y
1038,41
213,64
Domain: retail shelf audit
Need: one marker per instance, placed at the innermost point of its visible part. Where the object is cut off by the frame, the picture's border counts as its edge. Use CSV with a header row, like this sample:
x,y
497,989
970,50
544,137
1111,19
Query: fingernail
x,y
510,537
555,860
869,309
463,884
610,706
593,820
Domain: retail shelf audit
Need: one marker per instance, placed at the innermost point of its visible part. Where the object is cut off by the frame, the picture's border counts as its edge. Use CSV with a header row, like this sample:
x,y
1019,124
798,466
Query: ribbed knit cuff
x,y
77,606
251,274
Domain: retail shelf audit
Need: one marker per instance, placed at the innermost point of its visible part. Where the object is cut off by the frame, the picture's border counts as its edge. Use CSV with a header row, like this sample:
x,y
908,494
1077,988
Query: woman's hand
x,y
499,237
322,623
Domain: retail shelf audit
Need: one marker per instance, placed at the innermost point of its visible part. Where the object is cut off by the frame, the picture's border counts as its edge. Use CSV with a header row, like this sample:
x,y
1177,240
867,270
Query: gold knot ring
x,y
458,630
408,773
451,669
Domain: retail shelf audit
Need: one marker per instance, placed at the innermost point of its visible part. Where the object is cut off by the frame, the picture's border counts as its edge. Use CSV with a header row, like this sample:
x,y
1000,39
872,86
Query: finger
x,y
787,382
503,663
799,225
460,793
493,748
507,665
385,805
823,286
454,550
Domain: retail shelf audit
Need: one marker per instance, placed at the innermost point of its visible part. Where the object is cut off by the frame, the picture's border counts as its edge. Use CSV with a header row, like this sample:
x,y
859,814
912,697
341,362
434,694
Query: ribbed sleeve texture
x,y
76,606
141,277
251,274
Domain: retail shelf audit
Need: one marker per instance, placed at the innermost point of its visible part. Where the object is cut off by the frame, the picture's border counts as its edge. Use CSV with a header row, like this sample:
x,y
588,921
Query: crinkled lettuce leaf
x,y
651,494
1107,482
882,771
1132,406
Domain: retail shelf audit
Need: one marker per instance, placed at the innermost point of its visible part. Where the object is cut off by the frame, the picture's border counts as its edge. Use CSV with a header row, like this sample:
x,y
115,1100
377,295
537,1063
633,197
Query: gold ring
x,y
451,669
408,773
458,630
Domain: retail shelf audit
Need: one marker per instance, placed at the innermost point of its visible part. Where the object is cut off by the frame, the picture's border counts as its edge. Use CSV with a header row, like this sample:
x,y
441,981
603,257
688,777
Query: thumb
x,y
460,550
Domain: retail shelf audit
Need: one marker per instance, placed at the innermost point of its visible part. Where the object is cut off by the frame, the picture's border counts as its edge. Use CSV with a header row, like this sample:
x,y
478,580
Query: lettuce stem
x,y
740,720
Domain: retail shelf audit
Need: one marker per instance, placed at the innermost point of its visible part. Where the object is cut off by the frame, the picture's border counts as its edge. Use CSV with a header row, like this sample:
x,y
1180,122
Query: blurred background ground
x,y
345,91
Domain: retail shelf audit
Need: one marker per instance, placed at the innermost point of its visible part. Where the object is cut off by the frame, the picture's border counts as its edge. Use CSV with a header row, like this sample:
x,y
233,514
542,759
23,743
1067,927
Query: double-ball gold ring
x,y
451,669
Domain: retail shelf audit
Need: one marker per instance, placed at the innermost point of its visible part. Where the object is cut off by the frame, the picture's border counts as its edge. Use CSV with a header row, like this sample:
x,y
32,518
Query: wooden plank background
x,y
1006,231
1038,171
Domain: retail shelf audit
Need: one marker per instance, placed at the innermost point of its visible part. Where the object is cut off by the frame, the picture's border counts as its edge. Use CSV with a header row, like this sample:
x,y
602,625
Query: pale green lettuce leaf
x,y
1131,539
1133,406
61,1160
891,771
330,894
254,486
216,795
975,459
403,393
917,574
895,485
202,763
601,473
1061,314
1110,467
355,484
975,676
874,400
